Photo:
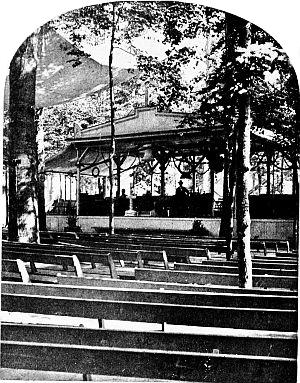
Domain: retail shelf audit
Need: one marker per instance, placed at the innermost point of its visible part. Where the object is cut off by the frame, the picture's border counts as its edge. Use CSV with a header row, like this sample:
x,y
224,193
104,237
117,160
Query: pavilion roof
x,y
145,128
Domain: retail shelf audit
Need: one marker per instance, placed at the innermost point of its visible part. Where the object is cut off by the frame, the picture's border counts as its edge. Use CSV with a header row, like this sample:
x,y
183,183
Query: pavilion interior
x,y
154,151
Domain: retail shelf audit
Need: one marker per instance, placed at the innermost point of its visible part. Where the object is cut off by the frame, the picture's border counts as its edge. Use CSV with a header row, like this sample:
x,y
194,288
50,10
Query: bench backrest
x,y
206,278
167,297
207,316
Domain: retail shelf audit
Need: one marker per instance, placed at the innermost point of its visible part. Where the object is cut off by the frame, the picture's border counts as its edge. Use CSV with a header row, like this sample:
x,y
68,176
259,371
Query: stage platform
x,y
281,229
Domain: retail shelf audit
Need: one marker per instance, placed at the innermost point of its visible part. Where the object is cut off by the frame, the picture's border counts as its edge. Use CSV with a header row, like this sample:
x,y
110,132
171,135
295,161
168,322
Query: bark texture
x,y
243,171
22,147
226,227
112,125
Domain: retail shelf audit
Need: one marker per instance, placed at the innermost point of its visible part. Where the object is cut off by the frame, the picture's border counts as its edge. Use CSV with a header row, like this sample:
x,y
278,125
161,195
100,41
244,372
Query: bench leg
x,y
264,248
139,259
77,266
23,271
112,267
93,264
33,267
165,259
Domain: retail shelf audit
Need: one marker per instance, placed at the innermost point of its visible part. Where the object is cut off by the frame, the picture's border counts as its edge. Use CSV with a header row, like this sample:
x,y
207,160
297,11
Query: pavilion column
x,y
119,162
118,192
78,190
162,176
162,158
269,160
212,191
193,174
60,189
79,159
259,172
65,186
70,189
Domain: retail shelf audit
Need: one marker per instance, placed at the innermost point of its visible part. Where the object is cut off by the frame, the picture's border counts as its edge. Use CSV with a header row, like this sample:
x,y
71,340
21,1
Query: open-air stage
x,y
281,229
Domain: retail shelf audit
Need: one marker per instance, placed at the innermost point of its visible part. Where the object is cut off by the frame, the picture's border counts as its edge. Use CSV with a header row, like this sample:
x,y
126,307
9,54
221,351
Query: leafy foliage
x,y
195,75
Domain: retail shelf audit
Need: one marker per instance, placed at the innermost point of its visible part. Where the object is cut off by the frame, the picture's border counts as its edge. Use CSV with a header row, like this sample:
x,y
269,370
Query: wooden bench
x,y
277,245
43,272
206,278
174,252
181,240
47,257
90,351
190,315
234,269
218,353
289,254
156,296
266,244
254,245
261,263
148,363
143,284
278,259
225,341
85,254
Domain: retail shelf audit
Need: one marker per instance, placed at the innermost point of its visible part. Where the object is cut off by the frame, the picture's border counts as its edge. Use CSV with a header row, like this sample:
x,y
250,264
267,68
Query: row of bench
x,y
167,240
269,333
280,273
210,330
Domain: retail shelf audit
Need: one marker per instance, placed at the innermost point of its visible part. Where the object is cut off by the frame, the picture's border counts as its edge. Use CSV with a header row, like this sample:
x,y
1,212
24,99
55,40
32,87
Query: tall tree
x,y
112,122
243,165
123,22
22,146
229,176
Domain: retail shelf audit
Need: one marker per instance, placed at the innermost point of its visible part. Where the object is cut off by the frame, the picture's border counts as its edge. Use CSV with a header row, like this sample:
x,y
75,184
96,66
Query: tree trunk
x,y
226,227
225,217
296,170
41,171
22,147
231,194
296,174
243,173
111,226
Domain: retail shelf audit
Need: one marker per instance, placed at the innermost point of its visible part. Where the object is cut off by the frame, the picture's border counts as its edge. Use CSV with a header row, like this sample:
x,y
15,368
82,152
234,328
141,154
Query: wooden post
x,y
111,224
212,190
118,163
60,191
78,191
193,165
162,176
71,177
65,186
269,158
